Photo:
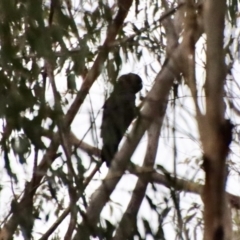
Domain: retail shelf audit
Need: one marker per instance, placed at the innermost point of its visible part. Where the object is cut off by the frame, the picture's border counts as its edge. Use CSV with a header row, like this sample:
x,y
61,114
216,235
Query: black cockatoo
x,y
119,111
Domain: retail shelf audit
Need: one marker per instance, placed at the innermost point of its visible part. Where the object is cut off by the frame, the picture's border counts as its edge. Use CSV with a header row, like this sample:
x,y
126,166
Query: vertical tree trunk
x,y
215,131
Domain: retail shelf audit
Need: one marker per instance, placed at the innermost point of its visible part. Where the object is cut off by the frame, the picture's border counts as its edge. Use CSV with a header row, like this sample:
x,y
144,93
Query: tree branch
x,y
215,132
154,105
50,154
124,6
128,221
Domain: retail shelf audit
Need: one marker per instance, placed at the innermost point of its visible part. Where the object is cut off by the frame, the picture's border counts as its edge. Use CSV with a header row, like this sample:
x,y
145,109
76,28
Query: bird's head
x,y
130,82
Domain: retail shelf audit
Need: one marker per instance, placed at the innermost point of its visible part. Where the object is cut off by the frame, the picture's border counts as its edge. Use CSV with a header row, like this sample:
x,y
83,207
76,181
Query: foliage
x,y
51,53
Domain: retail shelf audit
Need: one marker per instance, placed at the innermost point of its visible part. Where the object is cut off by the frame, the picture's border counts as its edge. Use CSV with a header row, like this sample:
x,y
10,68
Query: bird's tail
x,y
108,153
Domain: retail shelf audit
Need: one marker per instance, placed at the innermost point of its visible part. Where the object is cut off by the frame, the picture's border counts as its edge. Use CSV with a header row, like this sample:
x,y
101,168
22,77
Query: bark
x,y
11,225
214,132
155,104
124,6
128,221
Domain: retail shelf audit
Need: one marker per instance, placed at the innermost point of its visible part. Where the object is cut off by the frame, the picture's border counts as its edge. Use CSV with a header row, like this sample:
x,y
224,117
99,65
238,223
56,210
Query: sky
x,y
187,143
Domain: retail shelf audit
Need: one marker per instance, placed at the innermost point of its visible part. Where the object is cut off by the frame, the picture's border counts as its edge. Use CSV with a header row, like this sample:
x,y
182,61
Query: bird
x,y
119,110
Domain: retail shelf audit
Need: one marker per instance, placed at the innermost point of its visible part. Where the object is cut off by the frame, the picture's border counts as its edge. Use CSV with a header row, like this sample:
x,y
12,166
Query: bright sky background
x,y
187,148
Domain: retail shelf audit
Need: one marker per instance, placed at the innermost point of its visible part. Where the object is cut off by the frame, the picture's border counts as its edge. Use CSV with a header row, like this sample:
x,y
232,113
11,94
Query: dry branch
x,y
10,226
